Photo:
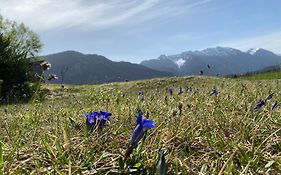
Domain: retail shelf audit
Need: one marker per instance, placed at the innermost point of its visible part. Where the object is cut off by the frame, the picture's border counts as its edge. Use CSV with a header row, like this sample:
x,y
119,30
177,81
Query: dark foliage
x,y
15,71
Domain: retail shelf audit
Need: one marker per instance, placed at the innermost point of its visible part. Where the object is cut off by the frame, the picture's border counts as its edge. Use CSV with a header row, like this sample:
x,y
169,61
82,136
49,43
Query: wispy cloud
x,y
270,41
94,15
183,37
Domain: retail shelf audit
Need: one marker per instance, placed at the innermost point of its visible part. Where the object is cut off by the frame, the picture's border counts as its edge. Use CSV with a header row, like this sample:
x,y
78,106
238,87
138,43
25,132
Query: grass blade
x,y
1,156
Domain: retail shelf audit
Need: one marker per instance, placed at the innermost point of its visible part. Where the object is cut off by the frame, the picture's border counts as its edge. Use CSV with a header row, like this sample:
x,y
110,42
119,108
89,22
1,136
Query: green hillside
x,y
205,134
263,76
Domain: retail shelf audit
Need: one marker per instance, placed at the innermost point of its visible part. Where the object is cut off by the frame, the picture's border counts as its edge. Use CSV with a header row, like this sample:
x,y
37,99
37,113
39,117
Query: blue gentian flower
x,y
142,98
180,91
102,118
170,91
260,103
91,119
269,96
139,117
274,106
214,92
186,87
141,127
97,118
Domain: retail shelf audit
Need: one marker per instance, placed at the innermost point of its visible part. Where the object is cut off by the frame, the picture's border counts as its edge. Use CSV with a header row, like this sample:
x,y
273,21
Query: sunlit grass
x,y
263,76
212,134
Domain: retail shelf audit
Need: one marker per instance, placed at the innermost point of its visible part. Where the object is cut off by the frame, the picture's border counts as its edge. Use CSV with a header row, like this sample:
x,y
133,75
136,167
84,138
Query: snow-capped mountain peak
x,y
220,51
213,61
162,57
260,52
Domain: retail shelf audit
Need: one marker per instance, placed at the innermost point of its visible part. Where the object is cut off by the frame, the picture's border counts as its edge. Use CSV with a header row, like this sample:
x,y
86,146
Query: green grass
x,y
212,135
263,76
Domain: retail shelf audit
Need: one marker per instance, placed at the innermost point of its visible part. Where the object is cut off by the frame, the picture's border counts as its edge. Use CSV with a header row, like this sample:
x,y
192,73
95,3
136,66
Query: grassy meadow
x,y
263,76
201,134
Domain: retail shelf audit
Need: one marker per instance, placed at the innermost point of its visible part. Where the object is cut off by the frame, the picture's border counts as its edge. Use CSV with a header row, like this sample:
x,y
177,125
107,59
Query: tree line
x,y
19,46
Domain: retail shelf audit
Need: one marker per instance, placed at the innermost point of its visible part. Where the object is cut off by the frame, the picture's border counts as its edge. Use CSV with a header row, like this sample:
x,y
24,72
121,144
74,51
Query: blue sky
x,y
135,30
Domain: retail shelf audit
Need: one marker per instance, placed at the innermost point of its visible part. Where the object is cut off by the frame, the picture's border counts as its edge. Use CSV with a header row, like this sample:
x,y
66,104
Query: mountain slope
x,y
163,64
76,68
213,61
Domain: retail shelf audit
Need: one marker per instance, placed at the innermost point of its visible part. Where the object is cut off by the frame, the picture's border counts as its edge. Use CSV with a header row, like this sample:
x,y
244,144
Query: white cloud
x,y
187,37
270,41
96,14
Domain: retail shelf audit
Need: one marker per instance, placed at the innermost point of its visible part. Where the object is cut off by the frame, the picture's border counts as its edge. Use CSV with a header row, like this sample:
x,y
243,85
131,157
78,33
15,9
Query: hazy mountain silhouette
x,y
213,61
76,68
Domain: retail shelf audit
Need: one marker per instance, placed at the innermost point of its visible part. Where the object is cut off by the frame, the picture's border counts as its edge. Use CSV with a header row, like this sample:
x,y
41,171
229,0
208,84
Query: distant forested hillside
x,y
76,68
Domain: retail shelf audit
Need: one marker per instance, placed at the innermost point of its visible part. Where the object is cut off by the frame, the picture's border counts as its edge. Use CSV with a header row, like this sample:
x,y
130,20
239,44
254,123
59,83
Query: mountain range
x,y
214,61
76,68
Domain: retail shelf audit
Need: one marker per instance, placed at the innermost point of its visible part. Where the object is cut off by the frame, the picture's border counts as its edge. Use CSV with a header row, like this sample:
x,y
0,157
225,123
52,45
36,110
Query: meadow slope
x,y
220,134
263,76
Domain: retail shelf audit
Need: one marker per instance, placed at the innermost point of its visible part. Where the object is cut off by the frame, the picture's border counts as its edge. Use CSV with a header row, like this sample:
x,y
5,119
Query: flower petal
x,y
260,103
92,120
104,115
137,135
149,124
139,118
87,115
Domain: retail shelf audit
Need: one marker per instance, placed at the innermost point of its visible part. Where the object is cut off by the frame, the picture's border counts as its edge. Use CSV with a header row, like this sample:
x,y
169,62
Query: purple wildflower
x,y
214,92
274,106
186,86
142,97
91,119
260,103
97,118
269,96
141,92
141,127
180,91
170,91
102,118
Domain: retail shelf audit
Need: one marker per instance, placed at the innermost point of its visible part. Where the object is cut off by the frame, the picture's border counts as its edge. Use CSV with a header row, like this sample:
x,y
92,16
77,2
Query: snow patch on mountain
x,y
180,62
219,51
253,51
